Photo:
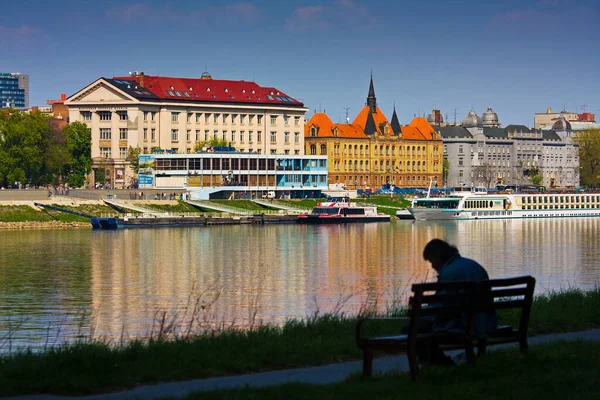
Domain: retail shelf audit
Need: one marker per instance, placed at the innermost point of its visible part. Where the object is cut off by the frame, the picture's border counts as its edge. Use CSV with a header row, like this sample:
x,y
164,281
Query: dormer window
x,y
252,91
335,131
226,90
243,90
208,89
172,88
313,131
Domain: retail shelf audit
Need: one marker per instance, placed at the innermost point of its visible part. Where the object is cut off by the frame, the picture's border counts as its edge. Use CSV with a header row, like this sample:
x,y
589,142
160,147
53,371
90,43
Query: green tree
x,y
589,156
132,157
445,169
24,144
79,144
535,176
215,141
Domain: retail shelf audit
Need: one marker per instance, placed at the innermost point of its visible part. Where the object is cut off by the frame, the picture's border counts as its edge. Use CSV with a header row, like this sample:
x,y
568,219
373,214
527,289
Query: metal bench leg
x,y
368,362
523,344
481,346
413,363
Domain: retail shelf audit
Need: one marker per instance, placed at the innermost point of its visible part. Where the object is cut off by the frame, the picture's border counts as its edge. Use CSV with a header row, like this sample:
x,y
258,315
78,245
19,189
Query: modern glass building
x,y
11,95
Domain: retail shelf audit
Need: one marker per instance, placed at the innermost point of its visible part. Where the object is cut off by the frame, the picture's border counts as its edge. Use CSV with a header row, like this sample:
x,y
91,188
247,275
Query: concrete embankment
x,y
43,225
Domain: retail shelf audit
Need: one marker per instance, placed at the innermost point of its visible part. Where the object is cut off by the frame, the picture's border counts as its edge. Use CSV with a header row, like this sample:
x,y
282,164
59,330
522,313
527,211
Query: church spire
x,y
395,122
371,100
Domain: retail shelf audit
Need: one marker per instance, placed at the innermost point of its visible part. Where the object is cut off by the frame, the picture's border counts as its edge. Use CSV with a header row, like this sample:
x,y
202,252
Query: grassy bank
x,y
92,367
566,370
25,213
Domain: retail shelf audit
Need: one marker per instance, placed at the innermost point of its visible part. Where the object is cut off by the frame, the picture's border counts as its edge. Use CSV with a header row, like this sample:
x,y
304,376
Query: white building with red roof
x,y
174,114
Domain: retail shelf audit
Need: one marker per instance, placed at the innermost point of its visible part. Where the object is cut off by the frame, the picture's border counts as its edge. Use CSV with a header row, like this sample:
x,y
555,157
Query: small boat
x,y
339,210
404,214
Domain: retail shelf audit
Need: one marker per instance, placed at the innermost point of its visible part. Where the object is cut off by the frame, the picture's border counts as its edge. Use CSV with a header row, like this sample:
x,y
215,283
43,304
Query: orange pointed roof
x,y
378,117
418,129
321,121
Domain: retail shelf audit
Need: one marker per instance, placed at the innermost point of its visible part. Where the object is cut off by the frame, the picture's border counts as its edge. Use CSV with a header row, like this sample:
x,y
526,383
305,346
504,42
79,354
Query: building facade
x,y
223,174
481,155
577,121
14,90
154,112
371,151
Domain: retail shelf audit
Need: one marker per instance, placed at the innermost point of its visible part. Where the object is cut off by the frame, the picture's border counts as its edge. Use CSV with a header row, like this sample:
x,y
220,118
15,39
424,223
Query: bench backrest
x,y
452,299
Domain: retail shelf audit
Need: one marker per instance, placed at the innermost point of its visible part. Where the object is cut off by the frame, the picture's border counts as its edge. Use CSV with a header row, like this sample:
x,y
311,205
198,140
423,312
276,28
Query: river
x,y
56,285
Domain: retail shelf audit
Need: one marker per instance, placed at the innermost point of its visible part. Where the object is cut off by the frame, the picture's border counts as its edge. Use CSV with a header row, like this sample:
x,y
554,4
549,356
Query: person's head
x,y
438,252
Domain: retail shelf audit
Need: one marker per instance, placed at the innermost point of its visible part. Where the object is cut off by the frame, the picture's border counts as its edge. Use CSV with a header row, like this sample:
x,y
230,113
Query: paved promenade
x,y
315,375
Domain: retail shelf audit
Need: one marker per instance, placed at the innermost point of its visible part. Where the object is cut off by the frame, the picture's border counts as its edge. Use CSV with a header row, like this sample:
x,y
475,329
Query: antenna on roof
x,y
346,109
455,112
253,77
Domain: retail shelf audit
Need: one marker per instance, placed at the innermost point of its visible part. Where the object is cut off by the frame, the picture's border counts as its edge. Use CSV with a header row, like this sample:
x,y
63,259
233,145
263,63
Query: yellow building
x,y
371,151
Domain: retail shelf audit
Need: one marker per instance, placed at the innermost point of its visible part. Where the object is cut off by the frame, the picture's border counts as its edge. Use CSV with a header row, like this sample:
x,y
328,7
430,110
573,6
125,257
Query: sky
x,y
519,57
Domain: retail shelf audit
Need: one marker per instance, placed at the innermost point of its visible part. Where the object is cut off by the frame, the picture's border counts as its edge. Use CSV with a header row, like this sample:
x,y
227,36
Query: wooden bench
x,y
453,300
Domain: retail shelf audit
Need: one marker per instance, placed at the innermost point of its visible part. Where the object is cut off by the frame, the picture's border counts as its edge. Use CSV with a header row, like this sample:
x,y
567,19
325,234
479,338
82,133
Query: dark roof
x,y
371,100
196,89
517,128
453,131
370,127
550,135
498,133
395,123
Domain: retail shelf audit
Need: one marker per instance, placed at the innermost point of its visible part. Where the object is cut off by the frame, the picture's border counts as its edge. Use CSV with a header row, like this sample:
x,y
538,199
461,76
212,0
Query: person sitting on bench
x,y
451,266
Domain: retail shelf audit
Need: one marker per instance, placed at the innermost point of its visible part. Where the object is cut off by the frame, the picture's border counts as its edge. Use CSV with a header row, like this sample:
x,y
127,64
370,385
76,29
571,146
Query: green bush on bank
x,y
92,366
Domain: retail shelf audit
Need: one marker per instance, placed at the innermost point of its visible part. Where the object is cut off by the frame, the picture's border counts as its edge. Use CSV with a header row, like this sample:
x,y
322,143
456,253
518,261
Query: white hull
x,y
508,207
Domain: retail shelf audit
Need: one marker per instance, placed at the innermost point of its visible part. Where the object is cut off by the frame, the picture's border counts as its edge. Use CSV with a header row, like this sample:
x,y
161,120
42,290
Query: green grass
x,y
92,367
565,370
26,213
301,203
382,201
241,204
181,206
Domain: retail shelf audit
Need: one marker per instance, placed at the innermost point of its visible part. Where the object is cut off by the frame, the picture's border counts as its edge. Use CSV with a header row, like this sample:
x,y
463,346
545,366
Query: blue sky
x,y
519,57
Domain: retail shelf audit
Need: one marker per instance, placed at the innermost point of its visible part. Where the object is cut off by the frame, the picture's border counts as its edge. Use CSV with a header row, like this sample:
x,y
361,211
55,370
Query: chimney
x,y
63,97
141,79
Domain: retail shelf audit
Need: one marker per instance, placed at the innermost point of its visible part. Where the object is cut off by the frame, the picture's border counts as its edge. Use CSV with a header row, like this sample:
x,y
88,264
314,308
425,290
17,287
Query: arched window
x,y
313,149
323,150
393,150
361,149
367,165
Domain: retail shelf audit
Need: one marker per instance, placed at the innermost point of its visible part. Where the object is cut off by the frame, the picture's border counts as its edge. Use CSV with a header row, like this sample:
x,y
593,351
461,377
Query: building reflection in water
x,y
243,275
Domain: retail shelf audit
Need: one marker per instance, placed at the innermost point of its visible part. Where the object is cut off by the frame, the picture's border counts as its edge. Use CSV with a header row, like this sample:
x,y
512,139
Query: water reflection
x,y
54,284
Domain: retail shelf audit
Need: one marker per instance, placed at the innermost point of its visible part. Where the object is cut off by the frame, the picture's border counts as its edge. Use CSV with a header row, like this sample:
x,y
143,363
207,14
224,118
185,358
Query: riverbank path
x,y
323,375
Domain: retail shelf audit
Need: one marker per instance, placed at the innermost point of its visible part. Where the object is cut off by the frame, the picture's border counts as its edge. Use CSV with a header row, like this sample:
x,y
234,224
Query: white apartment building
x,y
173,114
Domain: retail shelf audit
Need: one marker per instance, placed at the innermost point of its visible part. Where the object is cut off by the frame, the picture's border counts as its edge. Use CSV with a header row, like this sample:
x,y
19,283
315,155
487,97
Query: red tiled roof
x,y
218,90
418,129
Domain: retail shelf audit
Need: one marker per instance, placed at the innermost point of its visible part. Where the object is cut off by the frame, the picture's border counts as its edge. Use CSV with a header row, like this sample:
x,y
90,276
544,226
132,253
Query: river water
x,y
56,285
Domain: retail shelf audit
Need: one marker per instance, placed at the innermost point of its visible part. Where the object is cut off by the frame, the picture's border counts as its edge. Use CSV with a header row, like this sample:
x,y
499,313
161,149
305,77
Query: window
x,y
206,132
296,121
122,115
259,136
296,152
273,119
105,134
174,116
273,137
233,118
206,117
225,116
224,135
189,117
324,150
286,119
273,151
122,133
460,149
145,115
188,135
145,133
259,119
215,134
198,117
104,115
122,152
241,136
87,115
153,115
296,137
153,134
242,118
286,136
216,118
105,152
313,149
286,152
250,136
174,135
233,136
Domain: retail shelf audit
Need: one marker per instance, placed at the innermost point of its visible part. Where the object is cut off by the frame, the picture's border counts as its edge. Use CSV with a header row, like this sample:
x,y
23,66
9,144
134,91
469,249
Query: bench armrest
x,y
362,321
